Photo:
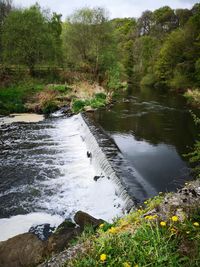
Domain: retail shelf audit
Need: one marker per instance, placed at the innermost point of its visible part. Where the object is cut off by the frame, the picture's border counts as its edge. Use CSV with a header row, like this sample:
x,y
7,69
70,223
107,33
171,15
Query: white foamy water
x,y
22,223
67,183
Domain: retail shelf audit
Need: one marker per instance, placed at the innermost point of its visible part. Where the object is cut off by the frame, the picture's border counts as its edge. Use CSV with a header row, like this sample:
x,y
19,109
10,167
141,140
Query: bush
x,y
114,81
78,105
179,81
100,96
148,80
49,107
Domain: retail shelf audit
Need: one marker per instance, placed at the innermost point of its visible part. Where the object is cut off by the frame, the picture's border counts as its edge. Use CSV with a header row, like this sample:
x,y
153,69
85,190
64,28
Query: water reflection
x,y
153,130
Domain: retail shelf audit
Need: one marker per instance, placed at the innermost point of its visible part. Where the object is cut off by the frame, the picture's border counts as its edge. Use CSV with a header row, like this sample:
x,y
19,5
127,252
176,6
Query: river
x,y
153,129
46,176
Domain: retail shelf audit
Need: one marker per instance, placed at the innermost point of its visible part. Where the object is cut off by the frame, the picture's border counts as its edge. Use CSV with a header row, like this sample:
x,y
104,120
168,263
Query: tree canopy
x,y
30,37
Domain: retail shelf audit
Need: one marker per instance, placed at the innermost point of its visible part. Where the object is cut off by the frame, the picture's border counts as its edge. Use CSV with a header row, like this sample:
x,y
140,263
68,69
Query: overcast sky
x,y
117,8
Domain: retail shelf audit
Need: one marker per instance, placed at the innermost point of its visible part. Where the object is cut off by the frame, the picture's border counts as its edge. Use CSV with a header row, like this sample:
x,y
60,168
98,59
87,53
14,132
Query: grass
x,y
99,100
13,98
35,96
142,240
193,97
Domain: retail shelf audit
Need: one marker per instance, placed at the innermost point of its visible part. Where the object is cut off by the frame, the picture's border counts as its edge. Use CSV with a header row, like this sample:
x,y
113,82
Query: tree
x,y
27,38
178,57
183,16
164,20
124,31
5,8
88,41
145,23
55,26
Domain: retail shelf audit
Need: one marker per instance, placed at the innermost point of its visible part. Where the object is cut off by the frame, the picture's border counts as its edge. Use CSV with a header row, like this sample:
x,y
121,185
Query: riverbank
x,y
193,97
164,232
35,96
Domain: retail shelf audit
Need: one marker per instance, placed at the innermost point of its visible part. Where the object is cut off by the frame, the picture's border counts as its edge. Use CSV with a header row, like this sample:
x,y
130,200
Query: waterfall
x,y
108,159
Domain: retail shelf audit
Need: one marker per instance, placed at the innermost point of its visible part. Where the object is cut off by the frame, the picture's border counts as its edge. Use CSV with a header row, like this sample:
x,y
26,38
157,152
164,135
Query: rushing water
x,y
44,170
46,176
153,130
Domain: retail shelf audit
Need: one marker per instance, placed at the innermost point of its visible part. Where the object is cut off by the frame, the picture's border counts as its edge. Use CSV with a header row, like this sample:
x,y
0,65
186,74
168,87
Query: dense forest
x,y
160,49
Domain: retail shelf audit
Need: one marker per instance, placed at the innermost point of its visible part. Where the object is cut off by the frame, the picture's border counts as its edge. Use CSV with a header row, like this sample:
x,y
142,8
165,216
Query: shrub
x,y
148,80
78,105
179,81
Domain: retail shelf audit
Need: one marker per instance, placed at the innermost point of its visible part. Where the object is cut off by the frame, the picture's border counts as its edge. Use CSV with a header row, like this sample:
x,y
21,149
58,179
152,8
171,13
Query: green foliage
x,y
29,38
114,81
148,80
13,98
88,41
78,105
62,88
137,241
99,100
49,107
194,155
180,81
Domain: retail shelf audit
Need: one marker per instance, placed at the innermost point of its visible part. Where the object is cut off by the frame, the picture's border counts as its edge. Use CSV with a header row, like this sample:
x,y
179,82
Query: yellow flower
x,y
163,223
112,230
101,225
196,224
151,217
145,202
174,218
126,264
103,257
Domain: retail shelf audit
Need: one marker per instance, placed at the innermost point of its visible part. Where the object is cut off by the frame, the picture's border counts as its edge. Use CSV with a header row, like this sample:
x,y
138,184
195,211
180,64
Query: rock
x,y
22,250
27,249
96,178
42,231
65,232
89,154
83,219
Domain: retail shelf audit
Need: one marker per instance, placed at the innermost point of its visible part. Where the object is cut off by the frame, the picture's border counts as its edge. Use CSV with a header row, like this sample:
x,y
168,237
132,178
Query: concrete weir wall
x,y
108,159
104,155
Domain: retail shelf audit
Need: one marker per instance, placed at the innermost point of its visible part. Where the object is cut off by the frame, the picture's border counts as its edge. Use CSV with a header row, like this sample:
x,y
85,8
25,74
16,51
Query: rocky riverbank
x,y
29,249
177,213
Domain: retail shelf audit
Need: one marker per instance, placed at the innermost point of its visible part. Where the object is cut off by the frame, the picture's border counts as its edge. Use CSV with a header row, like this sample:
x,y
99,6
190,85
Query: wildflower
x,y
196,224
174,218
112,230
103,257
126,264
163,224
101,225
173,230
151,217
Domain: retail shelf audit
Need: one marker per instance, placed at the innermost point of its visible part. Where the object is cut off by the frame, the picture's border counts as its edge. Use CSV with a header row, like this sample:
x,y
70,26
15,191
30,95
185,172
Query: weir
x,y
108,159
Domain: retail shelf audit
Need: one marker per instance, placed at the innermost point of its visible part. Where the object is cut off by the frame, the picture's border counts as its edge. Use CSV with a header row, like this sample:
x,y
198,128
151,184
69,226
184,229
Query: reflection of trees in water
x,y
155,121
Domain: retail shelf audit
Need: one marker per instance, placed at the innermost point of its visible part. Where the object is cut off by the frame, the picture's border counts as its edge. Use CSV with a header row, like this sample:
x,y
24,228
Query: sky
x,y
116,8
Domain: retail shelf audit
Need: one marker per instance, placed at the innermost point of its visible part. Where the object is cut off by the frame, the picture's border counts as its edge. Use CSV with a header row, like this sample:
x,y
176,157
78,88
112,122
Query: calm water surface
x,y
153,130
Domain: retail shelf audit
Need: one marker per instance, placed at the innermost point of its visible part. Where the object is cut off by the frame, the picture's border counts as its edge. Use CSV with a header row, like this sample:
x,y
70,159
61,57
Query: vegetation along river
x,y
46,176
